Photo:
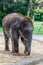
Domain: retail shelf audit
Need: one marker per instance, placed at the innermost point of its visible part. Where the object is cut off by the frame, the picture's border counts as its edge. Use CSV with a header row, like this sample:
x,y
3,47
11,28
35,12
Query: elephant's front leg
x,y
27,42
15,39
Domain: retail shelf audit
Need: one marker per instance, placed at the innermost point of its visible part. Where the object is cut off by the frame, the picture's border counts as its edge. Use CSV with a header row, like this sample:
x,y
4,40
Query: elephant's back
x,y
10,18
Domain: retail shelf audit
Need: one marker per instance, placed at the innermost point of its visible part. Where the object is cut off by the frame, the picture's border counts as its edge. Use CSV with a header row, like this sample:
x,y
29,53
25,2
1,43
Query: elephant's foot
x,y
26,53
7,49
15,51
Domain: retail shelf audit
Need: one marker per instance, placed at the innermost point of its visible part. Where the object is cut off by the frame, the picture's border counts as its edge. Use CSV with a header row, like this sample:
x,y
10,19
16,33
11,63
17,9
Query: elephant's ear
x,y
27,25
28,19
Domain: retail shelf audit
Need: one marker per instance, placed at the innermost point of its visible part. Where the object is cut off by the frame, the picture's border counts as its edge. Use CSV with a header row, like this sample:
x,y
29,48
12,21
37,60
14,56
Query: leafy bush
x,y
1,17
20,8
38,15
9,6
41,15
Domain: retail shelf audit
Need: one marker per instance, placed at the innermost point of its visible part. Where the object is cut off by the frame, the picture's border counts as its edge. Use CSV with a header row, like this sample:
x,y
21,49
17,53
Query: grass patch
x,y
37,27
1,29
38,21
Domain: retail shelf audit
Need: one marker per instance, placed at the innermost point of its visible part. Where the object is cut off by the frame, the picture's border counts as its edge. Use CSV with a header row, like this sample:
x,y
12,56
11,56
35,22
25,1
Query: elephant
x,y
16,25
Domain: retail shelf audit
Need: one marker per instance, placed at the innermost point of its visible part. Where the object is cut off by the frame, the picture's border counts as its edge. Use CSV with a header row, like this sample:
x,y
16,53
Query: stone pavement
x,y
38,37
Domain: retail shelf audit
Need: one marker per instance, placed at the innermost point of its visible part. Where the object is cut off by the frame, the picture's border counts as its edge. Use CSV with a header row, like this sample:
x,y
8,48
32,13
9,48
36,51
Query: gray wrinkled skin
x,y
15,26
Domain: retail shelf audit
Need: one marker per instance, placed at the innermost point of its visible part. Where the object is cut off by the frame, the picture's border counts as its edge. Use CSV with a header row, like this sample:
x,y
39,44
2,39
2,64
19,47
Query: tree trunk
x,y
29,7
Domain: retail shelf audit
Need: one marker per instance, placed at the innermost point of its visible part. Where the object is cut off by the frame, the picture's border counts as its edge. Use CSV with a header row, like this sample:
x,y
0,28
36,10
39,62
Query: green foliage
x,y
6,7
20,8
1,17
9,6
38,15
33,7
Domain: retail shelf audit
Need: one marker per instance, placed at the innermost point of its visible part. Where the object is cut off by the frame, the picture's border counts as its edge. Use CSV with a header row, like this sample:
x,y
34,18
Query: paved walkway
x,y
38,37
35,37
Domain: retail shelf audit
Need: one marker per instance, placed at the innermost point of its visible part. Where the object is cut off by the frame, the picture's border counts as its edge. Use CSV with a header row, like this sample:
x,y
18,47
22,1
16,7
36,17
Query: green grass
x,y
41,11
37,27
0,29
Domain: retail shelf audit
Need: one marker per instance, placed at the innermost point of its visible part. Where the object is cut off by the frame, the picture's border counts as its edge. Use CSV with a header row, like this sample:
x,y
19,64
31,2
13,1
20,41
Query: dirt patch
x,y
8,57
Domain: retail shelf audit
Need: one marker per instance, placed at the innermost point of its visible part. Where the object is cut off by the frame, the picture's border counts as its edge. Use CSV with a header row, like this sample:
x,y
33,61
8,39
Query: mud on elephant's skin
x,y
15,25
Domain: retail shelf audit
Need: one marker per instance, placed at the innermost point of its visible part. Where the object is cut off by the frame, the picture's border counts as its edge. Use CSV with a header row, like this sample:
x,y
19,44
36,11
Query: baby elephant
x,y
16,25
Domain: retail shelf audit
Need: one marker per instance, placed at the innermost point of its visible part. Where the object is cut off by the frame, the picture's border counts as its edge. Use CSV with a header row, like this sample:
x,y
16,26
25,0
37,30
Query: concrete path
x,y
32,61
38,37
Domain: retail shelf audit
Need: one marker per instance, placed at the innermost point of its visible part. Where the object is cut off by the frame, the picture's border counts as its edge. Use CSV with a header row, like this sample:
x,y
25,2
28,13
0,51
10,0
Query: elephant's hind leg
x,y
6,41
